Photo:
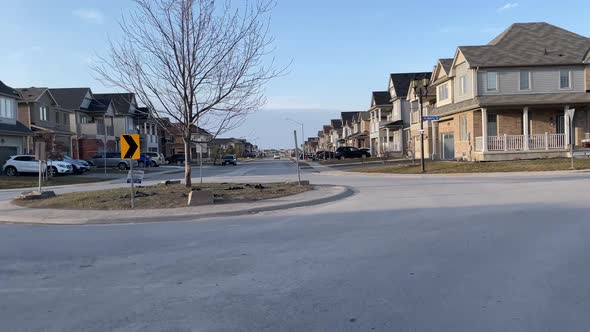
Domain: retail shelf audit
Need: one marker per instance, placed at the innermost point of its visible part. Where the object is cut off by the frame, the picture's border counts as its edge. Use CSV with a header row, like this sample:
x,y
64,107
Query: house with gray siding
x,y
14,135
49,122
509,99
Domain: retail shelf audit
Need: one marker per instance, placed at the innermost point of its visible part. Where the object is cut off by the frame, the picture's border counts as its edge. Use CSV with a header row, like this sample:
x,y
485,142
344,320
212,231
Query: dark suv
x,y
229,160
351,152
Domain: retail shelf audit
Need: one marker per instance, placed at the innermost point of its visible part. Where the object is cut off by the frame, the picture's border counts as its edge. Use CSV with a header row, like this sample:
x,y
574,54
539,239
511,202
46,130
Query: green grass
x,y
23,181
448,167
162,196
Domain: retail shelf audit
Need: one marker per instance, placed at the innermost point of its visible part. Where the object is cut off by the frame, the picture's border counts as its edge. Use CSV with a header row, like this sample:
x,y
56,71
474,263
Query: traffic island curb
x,y
321,194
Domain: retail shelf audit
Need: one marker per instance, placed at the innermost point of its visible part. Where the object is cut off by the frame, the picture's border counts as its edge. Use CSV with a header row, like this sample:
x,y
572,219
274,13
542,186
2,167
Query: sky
x,y
338,51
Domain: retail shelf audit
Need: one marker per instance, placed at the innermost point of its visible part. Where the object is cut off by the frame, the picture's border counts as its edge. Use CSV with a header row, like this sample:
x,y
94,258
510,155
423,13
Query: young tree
x,y
197,62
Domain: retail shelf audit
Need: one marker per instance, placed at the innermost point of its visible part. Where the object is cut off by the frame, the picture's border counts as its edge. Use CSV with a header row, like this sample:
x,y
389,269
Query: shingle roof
x,y
336,123
8,91
122,101
446,64
327,129
529,44
381,97
401,81
18,129
347,116
31,94
69,98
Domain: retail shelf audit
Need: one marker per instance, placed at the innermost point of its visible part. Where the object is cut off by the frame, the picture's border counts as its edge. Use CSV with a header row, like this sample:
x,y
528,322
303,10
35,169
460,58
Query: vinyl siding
x,y
587,76
543,80
462,70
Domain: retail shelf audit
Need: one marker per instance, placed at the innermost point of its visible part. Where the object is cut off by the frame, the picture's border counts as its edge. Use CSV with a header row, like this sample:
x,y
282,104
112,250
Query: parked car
x,y
350,152
229,160
276,156
367,151
157,159
28,164
113,159
144,160
325,155
78,166
176,159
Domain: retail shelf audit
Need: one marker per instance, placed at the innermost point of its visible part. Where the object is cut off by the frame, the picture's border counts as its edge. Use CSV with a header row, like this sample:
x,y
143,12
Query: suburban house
x,y
336,137
167,139
14,135
149,138
125,119
90,121
360,130
378,114
325,138
347,127
49,122
417,88
509,99
200,140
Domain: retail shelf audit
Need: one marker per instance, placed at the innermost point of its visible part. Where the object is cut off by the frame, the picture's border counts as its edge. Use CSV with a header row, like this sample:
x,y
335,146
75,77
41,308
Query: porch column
x,y
484,129
434,135
566,122
525,126
387,137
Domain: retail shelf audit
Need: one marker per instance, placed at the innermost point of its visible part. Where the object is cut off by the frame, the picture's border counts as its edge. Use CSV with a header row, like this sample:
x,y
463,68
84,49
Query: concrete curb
x,y
342,192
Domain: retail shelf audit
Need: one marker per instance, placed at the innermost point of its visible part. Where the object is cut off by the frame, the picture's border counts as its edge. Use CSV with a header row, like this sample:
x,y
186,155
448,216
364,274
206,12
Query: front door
x,y
560,123
448,147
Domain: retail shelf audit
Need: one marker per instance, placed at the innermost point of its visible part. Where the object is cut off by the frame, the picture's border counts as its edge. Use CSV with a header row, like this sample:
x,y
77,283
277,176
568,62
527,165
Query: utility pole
x,y
297,157
423,90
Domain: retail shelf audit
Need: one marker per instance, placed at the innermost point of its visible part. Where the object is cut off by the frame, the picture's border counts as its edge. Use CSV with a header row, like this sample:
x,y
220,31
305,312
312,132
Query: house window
x,y
43,113
443,92
492,81
7,108
462,85
492,124
565,79
525,80
83,119
463,134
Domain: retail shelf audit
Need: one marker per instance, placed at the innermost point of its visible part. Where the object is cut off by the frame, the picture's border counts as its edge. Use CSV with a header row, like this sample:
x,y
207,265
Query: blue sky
x,y
340,50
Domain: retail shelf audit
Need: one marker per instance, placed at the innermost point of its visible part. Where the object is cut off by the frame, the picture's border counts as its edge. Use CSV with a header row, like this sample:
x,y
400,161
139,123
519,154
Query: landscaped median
x,y
229,202
15,182
445,167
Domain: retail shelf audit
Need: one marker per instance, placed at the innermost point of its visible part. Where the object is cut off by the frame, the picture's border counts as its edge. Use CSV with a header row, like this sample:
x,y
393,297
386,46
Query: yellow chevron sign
x,y
129,146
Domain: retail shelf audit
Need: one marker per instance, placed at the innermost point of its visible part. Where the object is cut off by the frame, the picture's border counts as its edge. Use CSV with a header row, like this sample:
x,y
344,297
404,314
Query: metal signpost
x,y
572,136
130,151
297,157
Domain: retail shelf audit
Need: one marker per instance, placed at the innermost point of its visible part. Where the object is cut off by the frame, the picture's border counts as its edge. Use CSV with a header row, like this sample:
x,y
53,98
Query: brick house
x,y
14,135
509,99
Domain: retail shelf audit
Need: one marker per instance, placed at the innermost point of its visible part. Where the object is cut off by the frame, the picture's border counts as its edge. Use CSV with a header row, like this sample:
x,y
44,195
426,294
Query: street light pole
x,y
422,91
302,132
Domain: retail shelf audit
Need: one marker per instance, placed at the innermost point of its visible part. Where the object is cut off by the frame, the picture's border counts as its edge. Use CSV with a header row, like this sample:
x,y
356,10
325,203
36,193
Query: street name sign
x,y
431,118
129,146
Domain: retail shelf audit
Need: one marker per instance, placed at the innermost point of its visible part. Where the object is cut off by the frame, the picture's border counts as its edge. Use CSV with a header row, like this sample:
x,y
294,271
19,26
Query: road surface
x,y
405,253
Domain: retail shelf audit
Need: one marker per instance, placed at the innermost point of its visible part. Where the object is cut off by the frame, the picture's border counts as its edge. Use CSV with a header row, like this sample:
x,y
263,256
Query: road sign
x,y
431,118
421,131
129,146
135,176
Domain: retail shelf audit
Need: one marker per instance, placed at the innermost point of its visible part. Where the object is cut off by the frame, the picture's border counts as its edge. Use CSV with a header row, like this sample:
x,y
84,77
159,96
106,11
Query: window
x,y
492,124
462,85
443,92
464,134
492,81
565,79
43,113
7,108
83,119
525,80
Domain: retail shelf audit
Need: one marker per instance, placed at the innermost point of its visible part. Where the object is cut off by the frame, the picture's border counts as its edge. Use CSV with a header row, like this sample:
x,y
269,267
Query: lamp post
x,y
421,90
302,131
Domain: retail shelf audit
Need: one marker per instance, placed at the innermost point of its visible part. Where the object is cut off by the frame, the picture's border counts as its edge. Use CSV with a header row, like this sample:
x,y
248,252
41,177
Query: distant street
x,y
405,253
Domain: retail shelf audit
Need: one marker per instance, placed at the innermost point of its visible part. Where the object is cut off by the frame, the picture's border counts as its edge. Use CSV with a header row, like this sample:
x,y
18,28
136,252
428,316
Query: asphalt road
x,y
412,253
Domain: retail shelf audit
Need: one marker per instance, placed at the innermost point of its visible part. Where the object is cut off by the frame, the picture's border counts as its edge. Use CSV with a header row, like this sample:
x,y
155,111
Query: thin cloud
x,y
89,15
508,6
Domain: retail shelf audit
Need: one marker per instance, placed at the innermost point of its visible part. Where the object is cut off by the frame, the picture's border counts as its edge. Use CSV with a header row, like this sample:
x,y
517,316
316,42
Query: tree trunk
x,y
187,162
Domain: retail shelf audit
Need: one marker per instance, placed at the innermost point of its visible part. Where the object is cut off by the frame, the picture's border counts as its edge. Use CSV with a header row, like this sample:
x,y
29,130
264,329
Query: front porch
x,y
508,134
390,137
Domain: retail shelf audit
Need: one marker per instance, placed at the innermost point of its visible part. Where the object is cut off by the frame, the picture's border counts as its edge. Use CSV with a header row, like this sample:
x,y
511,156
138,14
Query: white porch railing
x,y
517,142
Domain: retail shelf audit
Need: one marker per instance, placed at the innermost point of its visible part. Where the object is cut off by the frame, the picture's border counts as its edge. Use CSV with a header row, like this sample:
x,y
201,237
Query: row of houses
x,y
505,100
79,123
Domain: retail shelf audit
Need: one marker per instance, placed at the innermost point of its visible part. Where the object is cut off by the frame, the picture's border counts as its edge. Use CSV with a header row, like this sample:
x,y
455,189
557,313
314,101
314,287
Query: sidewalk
x,y
11,213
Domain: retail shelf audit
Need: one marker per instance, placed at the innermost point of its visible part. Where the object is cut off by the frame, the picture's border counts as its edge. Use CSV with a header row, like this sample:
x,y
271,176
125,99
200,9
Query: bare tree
x,y
197,62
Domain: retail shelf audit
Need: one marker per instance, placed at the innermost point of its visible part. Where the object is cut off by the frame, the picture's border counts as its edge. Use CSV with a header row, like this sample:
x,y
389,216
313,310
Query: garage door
x,y
6,152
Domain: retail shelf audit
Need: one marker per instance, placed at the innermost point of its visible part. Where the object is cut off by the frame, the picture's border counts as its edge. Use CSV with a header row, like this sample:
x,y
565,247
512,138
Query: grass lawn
x,y
440,167
162,196
23,181
349,160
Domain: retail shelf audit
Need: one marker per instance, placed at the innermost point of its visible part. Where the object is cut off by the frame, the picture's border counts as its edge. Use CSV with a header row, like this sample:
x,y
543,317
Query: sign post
x,y
40,155
130,151
297,157
572,136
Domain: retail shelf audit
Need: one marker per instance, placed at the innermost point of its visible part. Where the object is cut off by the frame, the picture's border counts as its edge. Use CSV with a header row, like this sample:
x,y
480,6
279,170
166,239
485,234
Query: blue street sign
x,y
431,118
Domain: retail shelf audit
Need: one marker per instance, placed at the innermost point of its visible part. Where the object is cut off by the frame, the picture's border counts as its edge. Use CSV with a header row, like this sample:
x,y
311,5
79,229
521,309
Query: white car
x,y
28,164
156,159
276,156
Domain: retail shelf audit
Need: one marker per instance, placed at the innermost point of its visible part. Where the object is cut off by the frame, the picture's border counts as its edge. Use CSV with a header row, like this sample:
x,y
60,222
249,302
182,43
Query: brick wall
x,y
542,121
509,122
463,149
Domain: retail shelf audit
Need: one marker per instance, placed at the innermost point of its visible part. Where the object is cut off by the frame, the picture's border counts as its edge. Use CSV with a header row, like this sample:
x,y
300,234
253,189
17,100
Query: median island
x,y
163,196
448,167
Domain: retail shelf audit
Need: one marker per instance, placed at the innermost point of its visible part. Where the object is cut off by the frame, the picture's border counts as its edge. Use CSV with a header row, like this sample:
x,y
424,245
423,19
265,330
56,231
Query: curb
x,y
344,193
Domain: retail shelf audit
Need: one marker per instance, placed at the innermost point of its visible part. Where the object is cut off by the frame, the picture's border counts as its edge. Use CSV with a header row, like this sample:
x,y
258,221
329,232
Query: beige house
x,y
509,99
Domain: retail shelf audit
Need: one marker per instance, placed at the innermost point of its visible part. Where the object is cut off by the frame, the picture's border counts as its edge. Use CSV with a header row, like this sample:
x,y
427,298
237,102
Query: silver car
x,y
112,159
157,158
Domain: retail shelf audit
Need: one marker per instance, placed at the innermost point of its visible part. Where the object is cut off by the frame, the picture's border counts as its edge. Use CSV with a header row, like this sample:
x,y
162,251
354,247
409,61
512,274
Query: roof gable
x,y
70,98
380,98
400,82
125,103
34,94
7,91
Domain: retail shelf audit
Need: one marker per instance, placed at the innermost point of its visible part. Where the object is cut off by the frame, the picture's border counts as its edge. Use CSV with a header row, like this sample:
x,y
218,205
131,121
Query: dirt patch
x,y
26,181
162,196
